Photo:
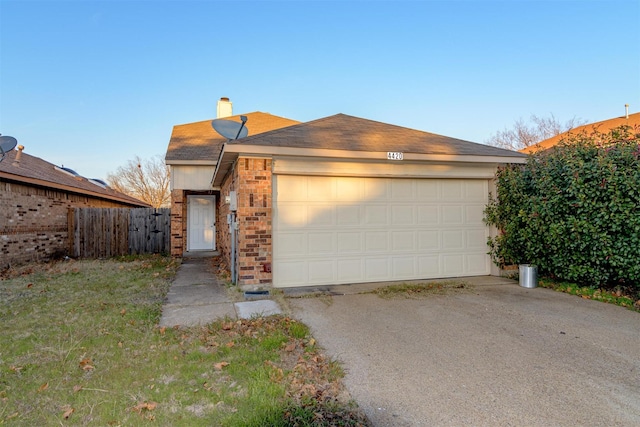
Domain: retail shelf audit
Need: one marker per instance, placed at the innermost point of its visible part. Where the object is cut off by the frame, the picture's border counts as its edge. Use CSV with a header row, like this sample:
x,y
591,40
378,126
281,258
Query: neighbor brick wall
x,y
34,222
251,179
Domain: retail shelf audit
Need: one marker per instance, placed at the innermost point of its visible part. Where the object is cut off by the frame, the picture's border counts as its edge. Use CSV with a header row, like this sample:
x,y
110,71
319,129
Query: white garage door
x,y
336,230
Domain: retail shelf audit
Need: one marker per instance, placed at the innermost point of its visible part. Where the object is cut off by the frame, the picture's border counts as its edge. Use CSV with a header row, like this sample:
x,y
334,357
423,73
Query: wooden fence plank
x,y
109,232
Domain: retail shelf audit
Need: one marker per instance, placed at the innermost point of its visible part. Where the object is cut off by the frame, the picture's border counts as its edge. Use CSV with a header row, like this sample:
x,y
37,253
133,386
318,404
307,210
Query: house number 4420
x,y
392,155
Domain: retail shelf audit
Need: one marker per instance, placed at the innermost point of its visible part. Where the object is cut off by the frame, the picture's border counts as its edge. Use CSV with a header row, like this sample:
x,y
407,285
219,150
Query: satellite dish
x,y
7,143
230,129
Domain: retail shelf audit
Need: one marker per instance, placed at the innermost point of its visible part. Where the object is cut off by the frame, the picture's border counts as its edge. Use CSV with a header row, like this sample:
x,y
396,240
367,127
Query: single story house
x,y
632,120
336,200
35,197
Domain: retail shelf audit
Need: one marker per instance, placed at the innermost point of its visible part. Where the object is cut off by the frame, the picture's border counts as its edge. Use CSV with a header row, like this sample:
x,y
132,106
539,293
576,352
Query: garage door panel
x,y
292,215
292,243
402,190
376,189
452,189
292,190
354,230
319,189
427,190
453,214
474,214
428,240
377,241
404,267
349,242
348,215
376,215
475,191
403,241
349,189
476,263
320,243
476,239
319,215
321,271
428,215
291,273
429,266
376,269
453,265
452,240
349,270
402,215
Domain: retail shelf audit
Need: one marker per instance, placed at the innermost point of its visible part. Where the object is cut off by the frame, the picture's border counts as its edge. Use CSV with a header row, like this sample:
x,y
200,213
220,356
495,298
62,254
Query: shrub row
x,y
573,210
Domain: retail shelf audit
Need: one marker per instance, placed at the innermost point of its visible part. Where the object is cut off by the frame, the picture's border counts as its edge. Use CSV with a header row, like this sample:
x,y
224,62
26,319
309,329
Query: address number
x,y
391,155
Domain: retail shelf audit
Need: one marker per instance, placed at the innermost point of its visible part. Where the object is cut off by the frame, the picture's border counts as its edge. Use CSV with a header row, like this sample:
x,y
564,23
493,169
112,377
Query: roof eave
x,y
68,188
230,152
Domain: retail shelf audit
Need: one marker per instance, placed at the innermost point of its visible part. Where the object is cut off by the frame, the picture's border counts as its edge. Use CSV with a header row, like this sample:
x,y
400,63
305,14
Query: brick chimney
x,y
225,108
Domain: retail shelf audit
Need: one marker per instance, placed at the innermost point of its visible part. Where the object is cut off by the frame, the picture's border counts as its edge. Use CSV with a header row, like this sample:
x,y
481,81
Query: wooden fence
x,y
108,232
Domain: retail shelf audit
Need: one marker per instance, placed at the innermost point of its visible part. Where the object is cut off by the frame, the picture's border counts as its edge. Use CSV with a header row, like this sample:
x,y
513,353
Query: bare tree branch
x,y
147,180
523,134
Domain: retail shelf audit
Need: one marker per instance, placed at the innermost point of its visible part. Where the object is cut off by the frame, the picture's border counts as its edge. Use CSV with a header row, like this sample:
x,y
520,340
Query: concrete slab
x,y
195,296
260,308
192,315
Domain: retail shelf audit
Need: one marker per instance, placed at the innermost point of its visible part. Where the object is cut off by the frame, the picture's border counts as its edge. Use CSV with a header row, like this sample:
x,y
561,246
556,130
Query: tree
x,y
146,180
524,134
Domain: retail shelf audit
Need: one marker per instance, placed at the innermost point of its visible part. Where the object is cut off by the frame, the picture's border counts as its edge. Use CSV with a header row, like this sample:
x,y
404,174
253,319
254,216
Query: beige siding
x,y
188,177
400,169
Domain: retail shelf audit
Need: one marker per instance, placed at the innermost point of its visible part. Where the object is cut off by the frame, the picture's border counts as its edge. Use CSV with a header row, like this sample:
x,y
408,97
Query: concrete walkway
x,y
197,298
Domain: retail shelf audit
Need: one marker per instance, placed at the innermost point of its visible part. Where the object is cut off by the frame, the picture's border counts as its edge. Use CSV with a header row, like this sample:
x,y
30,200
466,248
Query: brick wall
x,y
251,179
178,222
34,222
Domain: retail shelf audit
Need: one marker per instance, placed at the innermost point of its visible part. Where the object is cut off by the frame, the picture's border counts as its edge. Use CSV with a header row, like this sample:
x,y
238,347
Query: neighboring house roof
x,y
33,170
198,143
353,137
603,126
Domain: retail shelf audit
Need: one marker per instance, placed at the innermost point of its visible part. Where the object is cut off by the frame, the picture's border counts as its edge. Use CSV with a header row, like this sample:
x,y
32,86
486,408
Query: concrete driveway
x,y
499,355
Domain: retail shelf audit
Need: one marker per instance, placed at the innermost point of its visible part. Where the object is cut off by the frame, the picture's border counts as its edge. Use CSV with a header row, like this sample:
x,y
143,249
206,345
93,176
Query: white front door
x,y
201,229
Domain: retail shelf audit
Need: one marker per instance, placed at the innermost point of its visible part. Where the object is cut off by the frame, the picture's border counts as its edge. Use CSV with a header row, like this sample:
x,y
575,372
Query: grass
x,y
80,345
422,290
613,296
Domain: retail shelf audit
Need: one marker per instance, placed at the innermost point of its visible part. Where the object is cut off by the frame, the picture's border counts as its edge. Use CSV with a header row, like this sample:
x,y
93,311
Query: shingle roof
x,y
343,132
36,171
199,142
602,126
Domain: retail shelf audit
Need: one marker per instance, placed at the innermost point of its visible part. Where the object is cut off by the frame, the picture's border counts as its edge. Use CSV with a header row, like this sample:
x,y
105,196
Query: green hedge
x,y
573,210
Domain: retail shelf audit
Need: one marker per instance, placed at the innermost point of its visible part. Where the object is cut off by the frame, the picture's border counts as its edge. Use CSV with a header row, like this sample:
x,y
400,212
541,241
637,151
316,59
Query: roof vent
x,y
98,182
69,171
225,108
626,111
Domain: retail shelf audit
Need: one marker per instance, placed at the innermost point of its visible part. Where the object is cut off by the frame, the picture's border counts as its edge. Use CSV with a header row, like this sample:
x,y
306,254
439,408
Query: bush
x,y
573,210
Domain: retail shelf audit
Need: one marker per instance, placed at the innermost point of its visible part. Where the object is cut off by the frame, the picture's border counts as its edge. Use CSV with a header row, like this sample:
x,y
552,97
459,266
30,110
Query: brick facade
x,y
178,222
179,219
34,221
251,179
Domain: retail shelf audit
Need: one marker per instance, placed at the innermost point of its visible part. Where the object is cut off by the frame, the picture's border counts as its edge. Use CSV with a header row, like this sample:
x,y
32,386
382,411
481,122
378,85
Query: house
x,y
337,200
35,197
632,120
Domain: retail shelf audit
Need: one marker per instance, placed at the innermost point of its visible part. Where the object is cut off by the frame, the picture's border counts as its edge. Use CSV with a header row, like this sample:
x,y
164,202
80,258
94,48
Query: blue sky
x,y
91,84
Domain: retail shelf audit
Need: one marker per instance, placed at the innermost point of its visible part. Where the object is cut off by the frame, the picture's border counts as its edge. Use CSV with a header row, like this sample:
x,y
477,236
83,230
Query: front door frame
x,y
190,239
